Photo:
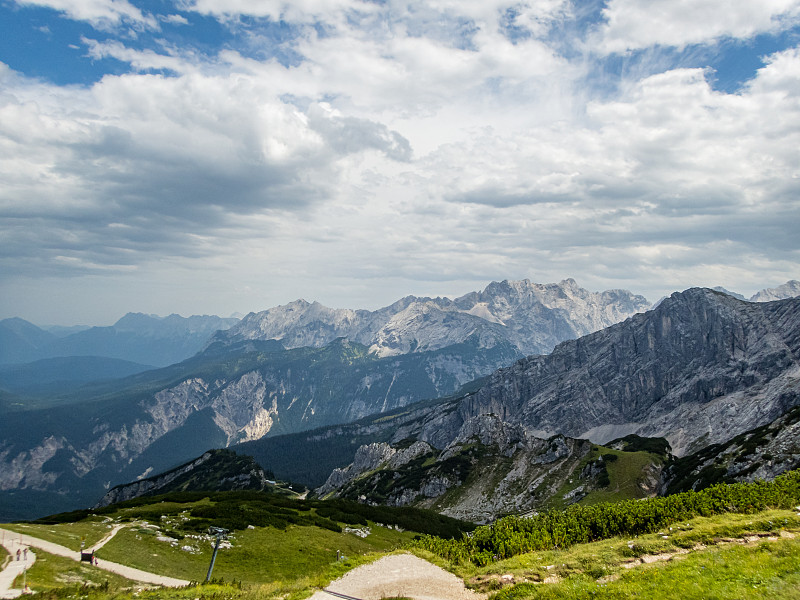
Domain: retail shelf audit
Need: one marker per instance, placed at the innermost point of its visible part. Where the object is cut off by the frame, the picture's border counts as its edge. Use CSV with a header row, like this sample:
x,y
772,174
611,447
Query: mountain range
x,y
699,370
136,337
708,382
532,317
258,379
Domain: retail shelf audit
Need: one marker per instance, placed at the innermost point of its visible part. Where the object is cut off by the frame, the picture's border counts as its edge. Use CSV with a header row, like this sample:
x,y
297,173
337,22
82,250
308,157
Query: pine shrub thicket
x,y
577,524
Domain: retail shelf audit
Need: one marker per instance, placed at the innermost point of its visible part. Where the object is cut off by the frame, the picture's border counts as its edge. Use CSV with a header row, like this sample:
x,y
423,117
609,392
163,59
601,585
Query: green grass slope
x,y
273,539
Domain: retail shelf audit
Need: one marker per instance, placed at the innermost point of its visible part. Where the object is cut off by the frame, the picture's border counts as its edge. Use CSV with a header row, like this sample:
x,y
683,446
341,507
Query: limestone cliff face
x,y
490,468
24,469
699,369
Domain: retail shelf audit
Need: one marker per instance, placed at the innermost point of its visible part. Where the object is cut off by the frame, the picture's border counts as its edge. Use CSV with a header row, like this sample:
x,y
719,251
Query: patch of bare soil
x,y
399,576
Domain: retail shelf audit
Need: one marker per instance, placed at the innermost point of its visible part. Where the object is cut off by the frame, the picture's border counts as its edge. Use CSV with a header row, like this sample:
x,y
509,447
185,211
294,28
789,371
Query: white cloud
x,y
174,19
672,164
637,24
411,148
300,10
100,13
144,166
141,60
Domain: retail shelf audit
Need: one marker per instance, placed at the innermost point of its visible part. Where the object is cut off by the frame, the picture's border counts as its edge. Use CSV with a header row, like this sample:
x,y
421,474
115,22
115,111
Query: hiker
x,y
17,553
25,554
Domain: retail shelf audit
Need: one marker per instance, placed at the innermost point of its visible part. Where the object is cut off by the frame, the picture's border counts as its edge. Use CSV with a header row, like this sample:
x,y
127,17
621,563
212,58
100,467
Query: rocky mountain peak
x,y
790,289
533,317
700,368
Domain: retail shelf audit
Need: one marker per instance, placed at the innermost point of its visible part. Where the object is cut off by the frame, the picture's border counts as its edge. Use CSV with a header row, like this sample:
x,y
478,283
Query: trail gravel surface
x,y
125,571
399,575
14,567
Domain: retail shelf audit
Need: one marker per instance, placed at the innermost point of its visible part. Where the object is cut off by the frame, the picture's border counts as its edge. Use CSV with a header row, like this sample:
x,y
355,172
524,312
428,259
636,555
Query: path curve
x,y
399,575
106,538
14,567
125,571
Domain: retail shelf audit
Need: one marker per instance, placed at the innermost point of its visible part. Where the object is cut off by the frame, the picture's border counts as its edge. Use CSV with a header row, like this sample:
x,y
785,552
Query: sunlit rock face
x,y
700,369
533,317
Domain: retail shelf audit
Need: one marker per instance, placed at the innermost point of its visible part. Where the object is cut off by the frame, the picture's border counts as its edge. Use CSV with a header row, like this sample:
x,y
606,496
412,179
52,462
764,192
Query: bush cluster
x,y
406,517
237,510
238,514
577,524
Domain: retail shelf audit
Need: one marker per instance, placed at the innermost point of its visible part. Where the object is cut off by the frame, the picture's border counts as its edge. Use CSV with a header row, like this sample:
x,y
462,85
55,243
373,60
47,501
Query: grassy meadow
x,y
70,535
601,563
724,557
625,472
52,573
254,556
294,545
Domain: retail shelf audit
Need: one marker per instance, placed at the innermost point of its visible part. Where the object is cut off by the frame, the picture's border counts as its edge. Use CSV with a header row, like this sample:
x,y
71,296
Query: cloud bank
x,y
373,150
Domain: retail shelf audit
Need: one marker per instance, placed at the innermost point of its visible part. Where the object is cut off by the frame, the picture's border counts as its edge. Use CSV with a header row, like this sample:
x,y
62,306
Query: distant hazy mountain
x,y
64,330
54,377
20,340
136,337
790,289
533,317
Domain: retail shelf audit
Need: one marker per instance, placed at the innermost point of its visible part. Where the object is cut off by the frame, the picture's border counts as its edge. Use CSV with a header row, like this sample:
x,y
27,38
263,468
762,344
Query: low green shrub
x,y
577,524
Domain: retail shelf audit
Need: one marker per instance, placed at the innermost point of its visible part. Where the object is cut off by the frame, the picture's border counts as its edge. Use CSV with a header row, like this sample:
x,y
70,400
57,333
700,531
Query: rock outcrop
x,y
215,470
761,453
490,468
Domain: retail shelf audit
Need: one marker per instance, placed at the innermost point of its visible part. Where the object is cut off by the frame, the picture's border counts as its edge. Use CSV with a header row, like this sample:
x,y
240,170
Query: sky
x,y
221,156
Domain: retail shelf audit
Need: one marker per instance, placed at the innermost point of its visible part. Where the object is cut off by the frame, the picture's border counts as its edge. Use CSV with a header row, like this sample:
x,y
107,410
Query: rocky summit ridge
x,y
533,317
700,369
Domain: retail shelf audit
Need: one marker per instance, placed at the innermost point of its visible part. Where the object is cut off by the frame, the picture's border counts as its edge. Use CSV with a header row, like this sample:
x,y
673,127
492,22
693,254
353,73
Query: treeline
x,y
577,524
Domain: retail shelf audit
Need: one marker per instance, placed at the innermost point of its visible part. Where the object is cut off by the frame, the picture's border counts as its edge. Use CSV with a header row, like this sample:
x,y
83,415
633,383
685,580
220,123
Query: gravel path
x,y
14,567
399,575
128,572
106,539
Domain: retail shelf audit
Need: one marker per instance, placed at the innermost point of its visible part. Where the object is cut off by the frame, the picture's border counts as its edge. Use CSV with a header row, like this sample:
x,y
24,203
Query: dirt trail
x,y
129,572
14,567
105,539
399,575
